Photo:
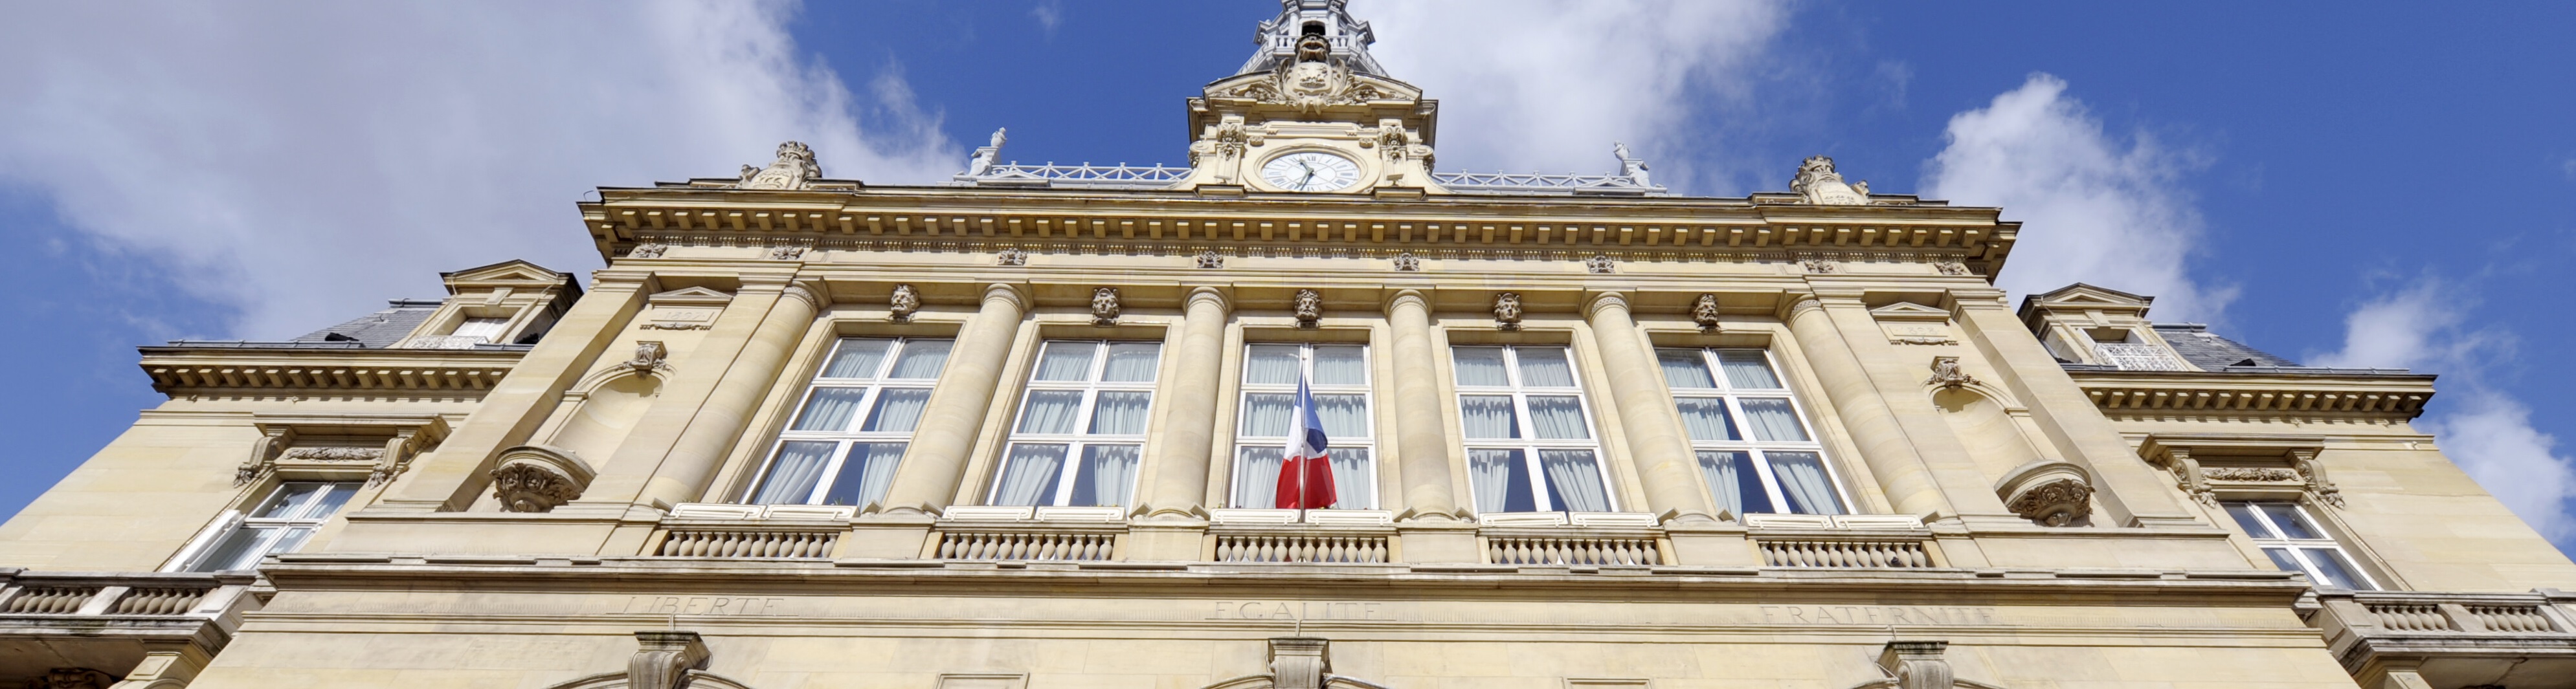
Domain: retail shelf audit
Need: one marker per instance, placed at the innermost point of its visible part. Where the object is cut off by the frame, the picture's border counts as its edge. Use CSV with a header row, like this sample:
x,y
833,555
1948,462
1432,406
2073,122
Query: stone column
x,y
695,377
1657,446
1874,427
936,462
2132,492
1183,452
1421,434
701,447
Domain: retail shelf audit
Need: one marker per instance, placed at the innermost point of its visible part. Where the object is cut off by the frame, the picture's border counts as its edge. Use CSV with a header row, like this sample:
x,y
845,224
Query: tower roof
x,y
1276,41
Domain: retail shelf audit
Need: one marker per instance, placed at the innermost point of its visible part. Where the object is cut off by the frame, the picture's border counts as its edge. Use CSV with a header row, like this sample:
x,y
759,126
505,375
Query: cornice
x,y
2167,393
186,371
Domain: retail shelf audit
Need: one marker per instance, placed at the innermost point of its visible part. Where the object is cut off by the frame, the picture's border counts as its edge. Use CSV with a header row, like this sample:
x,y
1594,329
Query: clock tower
x,y
1312,112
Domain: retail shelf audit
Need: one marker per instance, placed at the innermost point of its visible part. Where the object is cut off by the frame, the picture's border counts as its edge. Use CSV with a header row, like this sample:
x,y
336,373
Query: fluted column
x,y
701,446
936,462
1883,442
1184,450
1421,434
1657,447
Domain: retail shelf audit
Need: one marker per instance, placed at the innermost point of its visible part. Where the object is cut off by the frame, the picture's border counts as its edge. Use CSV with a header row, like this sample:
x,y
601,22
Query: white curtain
x,y
1029,477
1480,366
1131,362
1545,367
1492,472
1271,365
1267,415
1748,370
921,359
1120,413
1773,419
1065,361
1341,365
1050,411
1108,473
857,359
1802,479
865,475
1555,417
1354,478
898,410
830,409
1344,416
1705,418
1731,478
1684,368
793,473
1577,481
1256,476
1487,416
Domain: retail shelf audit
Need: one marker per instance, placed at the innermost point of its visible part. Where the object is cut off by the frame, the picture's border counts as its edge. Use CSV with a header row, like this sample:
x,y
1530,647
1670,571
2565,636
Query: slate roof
x,y
2210,352
377,330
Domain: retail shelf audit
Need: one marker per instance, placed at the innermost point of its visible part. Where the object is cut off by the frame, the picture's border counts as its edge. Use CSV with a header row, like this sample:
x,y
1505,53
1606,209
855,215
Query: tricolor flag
x,y
1306,478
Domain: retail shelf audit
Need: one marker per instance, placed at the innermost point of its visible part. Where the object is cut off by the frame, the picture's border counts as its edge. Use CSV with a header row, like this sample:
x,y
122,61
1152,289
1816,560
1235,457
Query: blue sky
x,y
2334,182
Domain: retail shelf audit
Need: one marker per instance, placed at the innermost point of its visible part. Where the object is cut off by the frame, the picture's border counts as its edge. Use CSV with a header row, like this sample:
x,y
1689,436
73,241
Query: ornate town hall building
x,y
1025,430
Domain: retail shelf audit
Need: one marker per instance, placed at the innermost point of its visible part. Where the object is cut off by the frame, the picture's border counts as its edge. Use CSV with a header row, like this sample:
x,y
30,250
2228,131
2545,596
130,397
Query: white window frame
x,y
299,522
1091,386
1306,367
489,329
875,385
2277,540
1734,397
1529,443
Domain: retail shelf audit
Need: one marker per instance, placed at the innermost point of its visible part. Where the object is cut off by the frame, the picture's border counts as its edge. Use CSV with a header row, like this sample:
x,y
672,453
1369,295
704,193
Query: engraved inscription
x,y
1294,610
1877,615
714,606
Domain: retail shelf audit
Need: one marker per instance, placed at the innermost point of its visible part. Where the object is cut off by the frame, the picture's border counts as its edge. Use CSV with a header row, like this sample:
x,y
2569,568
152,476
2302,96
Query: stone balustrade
x,y
2452,639
111,621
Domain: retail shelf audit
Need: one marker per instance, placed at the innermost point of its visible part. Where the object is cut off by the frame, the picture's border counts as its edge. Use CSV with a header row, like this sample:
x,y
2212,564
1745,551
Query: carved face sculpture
x,y
1313,48
1507,308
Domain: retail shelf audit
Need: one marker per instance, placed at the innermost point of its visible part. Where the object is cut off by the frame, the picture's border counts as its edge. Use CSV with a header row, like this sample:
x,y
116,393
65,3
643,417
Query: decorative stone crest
x,y
1104,306
539,478
1211,259
2049,492
1600,263
1507,310
1704,312
1310,307
648,356
794,169
1820,266
1012,257
2255,474
1946,373
332,454
1951,268
903,304
1312,82
1408,262
1916,664
647,251
1396,143
787,253
1818,182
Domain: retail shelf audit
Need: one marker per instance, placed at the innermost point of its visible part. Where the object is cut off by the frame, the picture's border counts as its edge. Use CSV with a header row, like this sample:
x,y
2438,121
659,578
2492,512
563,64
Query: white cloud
x,y
2092,209
2489,434
306,161
1050,14
1547,85
2412,328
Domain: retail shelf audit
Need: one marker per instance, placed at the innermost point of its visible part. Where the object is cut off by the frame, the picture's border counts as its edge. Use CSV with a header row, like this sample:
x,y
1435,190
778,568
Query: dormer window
x,y
487,328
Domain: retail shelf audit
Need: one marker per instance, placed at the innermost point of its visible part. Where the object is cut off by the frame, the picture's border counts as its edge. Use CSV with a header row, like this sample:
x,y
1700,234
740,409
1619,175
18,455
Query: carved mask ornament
x,y
1310,308
1704,312
1104,306
901,306
1507,310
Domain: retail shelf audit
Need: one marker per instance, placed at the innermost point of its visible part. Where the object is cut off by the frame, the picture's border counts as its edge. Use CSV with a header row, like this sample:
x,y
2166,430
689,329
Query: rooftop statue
x,y
1822,186
795,168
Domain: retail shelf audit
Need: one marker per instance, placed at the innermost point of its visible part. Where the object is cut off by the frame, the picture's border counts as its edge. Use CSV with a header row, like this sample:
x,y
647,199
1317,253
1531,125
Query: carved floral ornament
x,y
1947,374
787,253
647,251
1600,263
539,478
1012,257
1211,259
2049,492
2182,457
381,445
1407,262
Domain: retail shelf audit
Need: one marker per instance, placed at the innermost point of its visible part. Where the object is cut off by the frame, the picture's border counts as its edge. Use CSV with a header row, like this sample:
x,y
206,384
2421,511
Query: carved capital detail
x,y
539,478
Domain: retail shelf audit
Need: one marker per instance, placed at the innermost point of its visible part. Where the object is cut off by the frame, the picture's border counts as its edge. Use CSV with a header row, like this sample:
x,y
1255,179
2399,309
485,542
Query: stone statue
x,y
1822,186
1507,310
1630,166
984,158
796,168
1104,306
1946,373
648,355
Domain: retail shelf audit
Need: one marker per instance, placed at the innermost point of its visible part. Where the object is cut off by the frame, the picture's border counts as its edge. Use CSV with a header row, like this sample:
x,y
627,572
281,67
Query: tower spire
x,y
1345,40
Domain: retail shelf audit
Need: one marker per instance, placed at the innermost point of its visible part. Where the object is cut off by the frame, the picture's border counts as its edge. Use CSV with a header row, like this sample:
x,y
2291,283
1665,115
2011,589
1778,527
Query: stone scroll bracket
x,y
539,478
1299,662
352,446
1917,664
2280,467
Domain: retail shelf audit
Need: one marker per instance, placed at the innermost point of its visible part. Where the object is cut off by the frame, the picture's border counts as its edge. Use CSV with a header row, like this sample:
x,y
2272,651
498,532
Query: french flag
x,y
1306,478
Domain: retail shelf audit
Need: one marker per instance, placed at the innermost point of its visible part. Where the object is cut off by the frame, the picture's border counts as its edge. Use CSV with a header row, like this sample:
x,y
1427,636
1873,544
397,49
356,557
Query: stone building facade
x,y
1023,430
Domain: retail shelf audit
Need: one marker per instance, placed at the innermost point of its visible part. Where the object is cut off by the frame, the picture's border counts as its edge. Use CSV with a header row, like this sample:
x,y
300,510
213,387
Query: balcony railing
x,y
1883,541
2452,639
107,621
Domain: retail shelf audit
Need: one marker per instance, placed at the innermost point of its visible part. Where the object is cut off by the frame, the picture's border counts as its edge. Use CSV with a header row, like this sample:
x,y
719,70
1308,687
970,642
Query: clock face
x,y
1310,171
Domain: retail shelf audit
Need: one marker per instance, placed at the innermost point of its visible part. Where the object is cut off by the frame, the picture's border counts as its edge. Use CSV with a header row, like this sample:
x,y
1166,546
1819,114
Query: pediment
x,y
511,273
690,296
2082,295
1909,311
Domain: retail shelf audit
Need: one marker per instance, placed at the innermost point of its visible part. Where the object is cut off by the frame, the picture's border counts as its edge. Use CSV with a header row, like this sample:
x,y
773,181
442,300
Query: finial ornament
x,y
1507,311
794,169
1704,312
1310,308
1104,306
1821,185
903,304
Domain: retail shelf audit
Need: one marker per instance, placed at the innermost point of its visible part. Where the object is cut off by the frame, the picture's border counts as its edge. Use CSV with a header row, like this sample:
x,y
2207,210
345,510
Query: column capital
x,y
759,282
1016,295
1980,299
1417,297
812,292
1593,303
1221,296
619,280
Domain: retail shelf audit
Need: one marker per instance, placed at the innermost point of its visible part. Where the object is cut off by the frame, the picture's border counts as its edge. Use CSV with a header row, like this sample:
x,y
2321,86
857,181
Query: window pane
x,y
1131,362
2291,522
287,501
1684,368
1256,476
1502,481
2244,514
865,475
857,359
1051,411
2333,570
793,474
2281,558
1574,481
1773,419
1803,481
1732,480
486,328
336,495
1028,478
287,542
237,550
1271,365
1120,413
1065,361
1354,478
1266,415
1108,472
1706,418
830,409
1341,365
898,410
921,359
1557,417
1487,416
1344,416
1480,366
1748,370
1545,367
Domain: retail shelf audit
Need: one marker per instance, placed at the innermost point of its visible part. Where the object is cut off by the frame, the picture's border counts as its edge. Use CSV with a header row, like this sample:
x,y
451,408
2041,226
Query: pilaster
x,y
1421,435
2132,492
1657,448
